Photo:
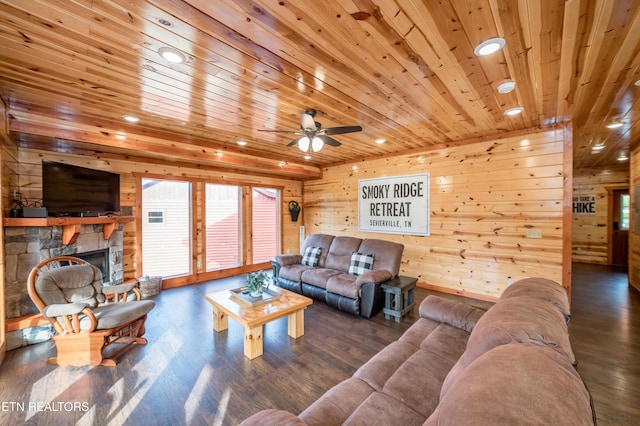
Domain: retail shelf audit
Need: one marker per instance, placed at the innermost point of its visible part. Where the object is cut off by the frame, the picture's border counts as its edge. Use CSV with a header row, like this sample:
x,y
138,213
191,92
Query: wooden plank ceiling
x,y
402,69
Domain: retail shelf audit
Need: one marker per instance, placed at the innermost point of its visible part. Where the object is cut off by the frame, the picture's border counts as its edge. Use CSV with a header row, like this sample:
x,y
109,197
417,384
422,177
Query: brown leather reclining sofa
x,y
457,365
344,272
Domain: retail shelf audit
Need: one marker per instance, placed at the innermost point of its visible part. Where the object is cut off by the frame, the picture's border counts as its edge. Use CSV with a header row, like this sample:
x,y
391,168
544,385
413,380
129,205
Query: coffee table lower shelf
x,y
252,318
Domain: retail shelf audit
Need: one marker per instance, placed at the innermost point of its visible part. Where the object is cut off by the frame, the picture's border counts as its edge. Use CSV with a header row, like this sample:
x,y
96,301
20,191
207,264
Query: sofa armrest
x,y
375,277
272,417
288,259
456,314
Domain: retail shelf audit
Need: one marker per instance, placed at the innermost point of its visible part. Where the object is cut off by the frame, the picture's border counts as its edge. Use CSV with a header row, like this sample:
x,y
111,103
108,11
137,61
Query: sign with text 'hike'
x,y
394,205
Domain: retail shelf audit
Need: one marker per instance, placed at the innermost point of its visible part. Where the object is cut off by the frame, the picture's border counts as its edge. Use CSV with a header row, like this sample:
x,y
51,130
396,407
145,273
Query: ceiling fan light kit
x,y
313,135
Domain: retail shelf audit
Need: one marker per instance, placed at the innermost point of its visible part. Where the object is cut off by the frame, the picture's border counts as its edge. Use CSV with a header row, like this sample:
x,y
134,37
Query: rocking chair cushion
x,y
112,315
60,309
70,284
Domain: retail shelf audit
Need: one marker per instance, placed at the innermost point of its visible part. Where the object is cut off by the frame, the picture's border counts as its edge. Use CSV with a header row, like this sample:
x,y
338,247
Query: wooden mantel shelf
x,y
71,226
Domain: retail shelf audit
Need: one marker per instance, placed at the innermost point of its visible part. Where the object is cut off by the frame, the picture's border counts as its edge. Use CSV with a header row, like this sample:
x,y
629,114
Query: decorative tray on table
x,y
241,294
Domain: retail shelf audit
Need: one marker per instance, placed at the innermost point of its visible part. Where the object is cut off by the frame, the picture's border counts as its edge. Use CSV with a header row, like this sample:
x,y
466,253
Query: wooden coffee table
x,y
253,318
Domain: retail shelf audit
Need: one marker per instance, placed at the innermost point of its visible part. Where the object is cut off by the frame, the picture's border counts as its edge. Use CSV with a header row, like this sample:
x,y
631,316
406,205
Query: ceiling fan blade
x,y
307,123
295,141
329,140
341,130
279,131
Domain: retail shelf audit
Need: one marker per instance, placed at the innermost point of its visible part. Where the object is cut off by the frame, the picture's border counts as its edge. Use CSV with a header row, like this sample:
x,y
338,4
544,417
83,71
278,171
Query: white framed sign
x,y
394,205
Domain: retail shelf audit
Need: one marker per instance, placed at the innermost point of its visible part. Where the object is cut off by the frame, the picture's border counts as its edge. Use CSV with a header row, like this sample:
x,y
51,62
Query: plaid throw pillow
x,y
360,263
311,256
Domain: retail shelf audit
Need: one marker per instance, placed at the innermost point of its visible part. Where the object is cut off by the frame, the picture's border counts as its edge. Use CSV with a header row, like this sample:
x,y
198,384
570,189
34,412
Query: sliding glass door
x,y
222,222
166,227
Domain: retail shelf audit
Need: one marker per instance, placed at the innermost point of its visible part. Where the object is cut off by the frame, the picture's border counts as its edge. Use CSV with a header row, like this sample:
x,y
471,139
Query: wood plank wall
x,y
30,184
590,232
484,198
634,232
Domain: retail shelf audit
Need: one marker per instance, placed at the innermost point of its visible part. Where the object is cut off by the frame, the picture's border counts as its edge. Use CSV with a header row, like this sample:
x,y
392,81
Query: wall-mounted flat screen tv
x,y
78,191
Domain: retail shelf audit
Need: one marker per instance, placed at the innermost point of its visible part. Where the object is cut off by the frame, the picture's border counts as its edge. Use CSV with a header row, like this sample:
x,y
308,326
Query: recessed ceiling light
x,y
637,83
597,148
623,157
506,86
172,55
307,157
131,118
514,111
242,143
614,125
380,141
490,46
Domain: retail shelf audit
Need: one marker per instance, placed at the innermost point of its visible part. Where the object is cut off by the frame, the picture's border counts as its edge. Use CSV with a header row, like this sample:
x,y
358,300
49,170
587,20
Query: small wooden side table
x,y
398,297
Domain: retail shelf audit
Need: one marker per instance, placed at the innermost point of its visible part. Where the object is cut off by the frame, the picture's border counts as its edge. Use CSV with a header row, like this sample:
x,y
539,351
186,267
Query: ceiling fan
x,y
313,135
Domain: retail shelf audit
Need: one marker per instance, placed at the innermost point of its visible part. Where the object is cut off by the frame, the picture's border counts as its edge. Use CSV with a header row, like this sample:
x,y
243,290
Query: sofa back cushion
x,y
542,289
323,241
521,320
339,256
517,383
387,255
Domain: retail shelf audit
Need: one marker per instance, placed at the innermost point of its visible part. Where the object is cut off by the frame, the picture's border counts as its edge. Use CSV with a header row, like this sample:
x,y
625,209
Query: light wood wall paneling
x,y
590,232
485,196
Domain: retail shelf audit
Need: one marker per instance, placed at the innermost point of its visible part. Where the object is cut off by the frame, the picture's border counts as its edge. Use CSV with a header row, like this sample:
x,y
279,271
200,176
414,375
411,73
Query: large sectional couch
x,y
459,365
345,272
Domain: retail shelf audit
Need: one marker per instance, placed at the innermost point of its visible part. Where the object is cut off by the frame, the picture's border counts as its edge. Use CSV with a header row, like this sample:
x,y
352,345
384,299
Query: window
x,y
155,217
166,249
624,212
265,224
222,222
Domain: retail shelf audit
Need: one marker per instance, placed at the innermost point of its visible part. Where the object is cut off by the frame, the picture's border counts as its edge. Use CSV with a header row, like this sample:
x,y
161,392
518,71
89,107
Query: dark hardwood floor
x,y
189,375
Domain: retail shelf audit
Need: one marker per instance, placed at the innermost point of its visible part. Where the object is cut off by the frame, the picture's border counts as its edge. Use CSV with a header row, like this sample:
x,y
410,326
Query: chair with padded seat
x,y
87,316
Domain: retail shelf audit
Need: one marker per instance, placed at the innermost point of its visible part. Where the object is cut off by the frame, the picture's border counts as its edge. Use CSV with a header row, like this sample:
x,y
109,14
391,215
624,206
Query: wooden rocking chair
x,y
87,316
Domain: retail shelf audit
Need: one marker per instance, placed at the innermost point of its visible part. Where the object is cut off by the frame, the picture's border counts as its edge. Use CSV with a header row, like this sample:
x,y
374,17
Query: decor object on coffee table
x,y
87,316
256,281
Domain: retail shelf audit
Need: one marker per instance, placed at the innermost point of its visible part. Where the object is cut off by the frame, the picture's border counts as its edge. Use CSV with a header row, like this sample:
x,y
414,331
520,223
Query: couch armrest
x,y
288,259
456,314
60,309
375,277
272,417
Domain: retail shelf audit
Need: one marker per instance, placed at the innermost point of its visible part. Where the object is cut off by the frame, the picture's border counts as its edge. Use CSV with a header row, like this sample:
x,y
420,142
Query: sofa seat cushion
x,y
382,409
518,383
344,285
112,315
318,276
337,404
293,272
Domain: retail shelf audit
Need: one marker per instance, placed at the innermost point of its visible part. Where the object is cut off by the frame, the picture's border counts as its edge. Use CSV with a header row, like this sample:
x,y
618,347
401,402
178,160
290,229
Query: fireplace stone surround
x,y
26,246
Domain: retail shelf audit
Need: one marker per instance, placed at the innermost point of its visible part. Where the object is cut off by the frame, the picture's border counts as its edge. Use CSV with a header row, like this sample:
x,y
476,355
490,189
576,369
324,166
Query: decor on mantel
x,y
294,210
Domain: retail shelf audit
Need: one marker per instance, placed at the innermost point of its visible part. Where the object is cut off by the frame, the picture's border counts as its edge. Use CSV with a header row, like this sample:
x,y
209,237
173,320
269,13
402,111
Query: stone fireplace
x,y
25,246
